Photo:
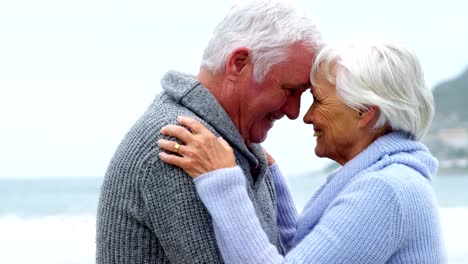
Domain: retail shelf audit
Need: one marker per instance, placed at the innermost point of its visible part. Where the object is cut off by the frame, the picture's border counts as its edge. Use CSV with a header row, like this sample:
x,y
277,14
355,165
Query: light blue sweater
x,y
378,208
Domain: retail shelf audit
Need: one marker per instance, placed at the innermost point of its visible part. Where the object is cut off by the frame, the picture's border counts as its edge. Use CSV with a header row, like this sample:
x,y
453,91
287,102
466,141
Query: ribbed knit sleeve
x,y
364,225
239,234
287,212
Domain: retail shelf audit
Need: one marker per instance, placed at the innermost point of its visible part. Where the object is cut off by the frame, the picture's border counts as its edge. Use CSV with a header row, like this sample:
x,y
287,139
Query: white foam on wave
x,y
48,239
455,229
71,239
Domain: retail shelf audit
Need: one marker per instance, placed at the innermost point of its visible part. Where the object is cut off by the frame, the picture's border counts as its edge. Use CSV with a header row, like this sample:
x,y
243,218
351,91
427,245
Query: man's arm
x,y
177,216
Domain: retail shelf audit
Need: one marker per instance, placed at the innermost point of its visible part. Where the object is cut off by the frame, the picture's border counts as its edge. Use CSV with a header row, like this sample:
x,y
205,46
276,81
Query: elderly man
x,y
254,70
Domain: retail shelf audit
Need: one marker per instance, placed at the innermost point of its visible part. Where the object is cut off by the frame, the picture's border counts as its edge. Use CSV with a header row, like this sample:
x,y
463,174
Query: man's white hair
x,y
388,76
267,28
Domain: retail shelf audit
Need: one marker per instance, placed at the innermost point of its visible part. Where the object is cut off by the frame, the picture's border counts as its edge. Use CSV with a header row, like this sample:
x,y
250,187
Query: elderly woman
x,y
370,108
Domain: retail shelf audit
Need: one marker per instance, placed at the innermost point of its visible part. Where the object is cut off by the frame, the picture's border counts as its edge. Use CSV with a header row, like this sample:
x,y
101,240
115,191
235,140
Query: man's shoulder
x,y
138,150
140,141
161,112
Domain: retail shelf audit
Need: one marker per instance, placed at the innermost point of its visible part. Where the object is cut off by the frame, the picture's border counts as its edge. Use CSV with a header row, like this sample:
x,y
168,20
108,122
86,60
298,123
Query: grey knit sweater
x,y
148,210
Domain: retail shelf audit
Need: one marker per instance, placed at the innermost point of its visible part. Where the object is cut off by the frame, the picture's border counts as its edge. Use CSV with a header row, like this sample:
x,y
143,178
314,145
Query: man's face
x,y
279,94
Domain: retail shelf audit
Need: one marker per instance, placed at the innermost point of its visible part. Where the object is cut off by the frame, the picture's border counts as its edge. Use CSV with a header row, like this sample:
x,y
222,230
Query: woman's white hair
x,y
267,28
388,76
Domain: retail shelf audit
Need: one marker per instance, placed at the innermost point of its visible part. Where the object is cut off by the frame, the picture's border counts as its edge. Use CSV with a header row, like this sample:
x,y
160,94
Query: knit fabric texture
x,y
378,208
149,211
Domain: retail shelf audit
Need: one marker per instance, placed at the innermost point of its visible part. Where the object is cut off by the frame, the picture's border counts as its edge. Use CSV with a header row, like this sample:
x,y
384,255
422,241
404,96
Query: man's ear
x,y
237,62
368,117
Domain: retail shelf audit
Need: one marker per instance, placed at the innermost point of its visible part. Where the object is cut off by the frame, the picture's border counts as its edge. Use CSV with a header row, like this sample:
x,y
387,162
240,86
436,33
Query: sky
x,y
76,74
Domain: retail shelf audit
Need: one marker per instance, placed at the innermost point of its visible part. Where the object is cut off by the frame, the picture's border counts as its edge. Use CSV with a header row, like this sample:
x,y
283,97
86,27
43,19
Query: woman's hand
x,y
201,152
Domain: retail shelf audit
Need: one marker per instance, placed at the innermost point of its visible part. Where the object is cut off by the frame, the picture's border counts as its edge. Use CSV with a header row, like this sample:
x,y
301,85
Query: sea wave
x,y
65,239
455,230
55,239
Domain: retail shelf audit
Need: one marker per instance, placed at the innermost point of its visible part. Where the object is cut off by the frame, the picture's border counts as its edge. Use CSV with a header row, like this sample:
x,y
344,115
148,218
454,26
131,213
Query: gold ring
x,y
176,148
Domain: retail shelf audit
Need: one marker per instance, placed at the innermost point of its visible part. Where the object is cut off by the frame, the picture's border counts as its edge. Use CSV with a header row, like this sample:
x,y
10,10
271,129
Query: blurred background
x,y
75,75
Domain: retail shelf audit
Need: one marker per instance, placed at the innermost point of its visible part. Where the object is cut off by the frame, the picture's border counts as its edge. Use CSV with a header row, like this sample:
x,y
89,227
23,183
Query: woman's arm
x,y
210,162
239,234
287,212
361,226
203,153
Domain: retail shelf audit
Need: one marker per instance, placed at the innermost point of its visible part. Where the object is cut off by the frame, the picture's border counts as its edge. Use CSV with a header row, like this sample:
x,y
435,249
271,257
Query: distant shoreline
x,y
455,171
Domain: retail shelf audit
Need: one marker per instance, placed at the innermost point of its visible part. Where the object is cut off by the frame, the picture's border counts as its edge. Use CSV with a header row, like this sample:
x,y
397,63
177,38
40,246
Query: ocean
x,y
52,220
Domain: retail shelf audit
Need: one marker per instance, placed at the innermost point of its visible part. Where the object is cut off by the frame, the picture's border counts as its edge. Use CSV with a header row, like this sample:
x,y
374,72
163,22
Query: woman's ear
x,y
368,117
237,63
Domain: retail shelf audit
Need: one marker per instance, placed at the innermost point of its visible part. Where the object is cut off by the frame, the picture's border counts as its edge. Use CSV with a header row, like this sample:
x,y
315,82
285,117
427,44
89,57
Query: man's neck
x,y
223,91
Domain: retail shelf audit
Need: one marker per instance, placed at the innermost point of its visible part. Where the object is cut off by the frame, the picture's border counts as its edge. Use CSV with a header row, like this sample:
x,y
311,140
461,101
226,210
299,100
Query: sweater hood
x,y
408,152
392,148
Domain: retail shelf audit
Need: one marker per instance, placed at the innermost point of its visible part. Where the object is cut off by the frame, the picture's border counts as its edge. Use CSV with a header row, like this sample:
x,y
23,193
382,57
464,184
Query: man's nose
x,y
292,106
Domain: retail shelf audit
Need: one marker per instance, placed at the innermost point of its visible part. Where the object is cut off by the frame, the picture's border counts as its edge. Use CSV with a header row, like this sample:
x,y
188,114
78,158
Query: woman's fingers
x,y
184,134
224,143
173,160
194,125
171,146
201,152
179,132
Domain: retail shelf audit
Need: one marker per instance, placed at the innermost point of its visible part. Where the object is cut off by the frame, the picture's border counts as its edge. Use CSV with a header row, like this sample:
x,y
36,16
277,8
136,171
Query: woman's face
x,y
335,124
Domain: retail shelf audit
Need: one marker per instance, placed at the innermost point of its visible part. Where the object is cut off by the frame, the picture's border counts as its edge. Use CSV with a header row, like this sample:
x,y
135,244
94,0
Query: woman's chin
x,y
321,150
318,152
